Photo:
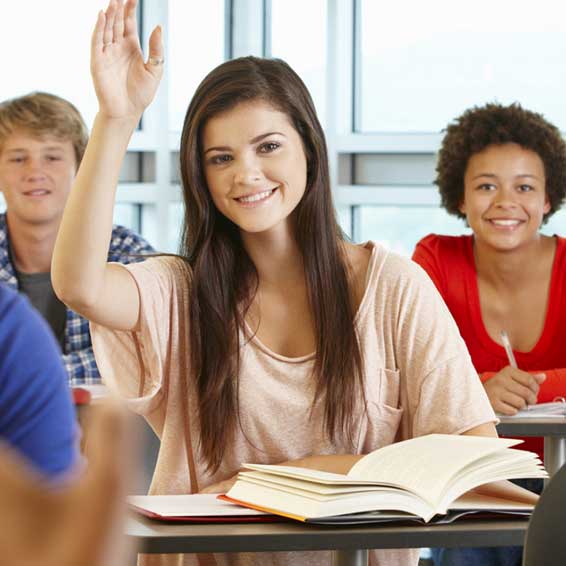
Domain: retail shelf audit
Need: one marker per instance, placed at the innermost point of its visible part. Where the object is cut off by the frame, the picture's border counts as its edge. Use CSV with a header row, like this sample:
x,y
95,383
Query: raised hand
x,y
124,84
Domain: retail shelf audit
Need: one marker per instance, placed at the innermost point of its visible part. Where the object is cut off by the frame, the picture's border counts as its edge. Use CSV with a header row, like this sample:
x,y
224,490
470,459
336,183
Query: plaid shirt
x,y
77,355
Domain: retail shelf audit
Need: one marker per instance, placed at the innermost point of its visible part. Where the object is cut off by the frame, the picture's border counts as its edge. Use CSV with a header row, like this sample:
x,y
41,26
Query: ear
x,y
546,208
462,207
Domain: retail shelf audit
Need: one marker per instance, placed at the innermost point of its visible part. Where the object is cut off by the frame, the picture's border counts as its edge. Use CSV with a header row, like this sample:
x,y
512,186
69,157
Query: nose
x,y
505,197
34,170
248,171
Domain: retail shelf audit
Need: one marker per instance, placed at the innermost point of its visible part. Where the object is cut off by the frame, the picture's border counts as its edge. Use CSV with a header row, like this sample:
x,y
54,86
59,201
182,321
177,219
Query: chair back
x,y
545,541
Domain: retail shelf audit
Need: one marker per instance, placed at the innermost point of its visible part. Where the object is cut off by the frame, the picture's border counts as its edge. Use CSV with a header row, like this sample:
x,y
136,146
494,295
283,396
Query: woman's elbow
x,y
77,296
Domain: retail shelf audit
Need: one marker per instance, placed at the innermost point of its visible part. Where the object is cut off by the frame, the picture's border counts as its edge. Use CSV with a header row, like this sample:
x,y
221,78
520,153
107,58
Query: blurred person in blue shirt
x,y
37,416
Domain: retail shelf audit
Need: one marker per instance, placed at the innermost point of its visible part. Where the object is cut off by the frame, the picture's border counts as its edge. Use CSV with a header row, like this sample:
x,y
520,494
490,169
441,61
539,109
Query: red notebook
x,y
85,394
81,396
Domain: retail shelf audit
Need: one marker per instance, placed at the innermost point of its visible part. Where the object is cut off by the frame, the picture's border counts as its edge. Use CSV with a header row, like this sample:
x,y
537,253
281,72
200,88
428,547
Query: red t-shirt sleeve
x,y
553,386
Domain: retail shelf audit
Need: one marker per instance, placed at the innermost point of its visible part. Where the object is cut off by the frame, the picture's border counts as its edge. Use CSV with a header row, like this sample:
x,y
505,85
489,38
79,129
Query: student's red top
x,y
449,261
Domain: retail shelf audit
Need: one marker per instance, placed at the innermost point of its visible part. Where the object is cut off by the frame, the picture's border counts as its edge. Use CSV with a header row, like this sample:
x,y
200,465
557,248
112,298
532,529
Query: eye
x,y
16,160
220,159
53,158
525,188
269,147
486,187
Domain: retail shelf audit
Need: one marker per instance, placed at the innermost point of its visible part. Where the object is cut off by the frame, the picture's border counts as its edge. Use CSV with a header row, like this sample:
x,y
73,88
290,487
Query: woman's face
x,y
255,166
504,196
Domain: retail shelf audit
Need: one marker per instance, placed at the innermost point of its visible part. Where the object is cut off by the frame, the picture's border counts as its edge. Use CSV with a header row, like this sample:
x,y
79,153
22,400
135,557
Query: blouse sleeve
x,y
137,364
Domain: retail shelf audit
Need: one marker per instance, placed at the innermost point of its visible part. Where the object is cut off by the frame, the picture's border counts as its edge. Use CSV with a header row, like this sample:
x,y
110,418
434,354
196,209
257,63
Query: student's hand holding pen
x,y
512,389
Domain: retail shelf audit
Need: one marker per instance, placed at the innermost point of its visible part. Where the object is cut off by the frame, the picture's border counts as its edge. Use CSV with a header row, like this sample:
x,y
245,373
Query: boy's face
x,y
505,196
36,175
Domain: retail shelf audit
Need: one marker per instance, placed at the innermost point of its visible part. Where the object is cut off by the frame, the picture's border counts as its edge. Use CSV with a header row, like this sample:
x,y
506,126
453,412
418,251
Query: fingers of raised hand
x,y
118,28
119,21
98,33
156,52
110,17
130,20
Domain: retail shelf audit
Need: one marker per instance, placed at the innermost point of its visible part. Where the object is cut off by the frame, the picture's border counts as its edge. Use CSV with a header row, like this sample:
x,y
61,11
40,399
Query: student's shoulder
x,y
16,309
390,272
561,245
9,300
21,325
441,245
560,258
167,272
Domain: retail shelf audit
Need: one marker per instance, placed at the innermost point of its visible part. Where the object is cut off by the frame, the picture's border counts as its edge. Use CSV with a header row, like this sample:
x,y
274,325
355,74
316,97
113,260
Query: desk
x,y
553,429
153,537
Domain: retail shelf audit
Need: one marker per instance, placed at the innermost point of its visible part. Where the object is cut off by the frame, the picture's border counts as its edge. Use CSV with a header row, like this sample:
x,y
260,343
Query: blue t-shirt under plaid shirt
x,y
78,356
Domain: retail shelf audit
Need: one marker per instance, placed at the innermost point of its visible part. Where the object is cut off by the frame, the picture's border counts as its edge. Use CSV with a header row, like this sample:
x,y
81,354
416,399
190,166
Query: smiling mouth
x,y
507,223
258,197
37,193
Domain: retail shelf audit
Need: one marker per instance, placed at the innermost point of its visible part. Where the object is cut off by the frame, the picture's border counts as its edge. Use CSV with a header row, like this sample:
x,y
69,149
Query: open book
x,y
421,477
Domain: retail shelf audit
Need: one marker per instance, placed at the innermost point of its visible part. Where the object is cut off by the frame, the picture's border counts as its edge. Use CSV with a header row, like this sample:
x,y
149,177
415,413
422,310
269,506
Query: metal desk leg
x,y
554,453
350,557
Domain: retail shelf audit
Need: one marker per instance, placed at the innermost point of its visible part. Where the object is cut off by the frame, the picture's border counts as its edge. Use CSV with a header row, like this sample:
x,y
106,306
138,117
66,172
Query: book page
x,y
308,474
428,464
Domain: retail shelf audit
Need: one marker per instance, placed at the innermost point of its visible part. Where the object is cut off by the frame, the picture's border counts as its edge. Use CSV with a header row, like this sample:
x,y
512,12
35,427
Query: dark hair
x,y
494,124
44,114
224,280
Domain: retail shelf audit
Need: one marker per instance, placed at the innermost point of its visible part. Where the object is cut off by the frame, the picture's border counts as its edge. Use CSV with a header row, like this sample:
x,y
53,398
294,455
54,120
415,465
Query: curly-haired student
x,y
503,170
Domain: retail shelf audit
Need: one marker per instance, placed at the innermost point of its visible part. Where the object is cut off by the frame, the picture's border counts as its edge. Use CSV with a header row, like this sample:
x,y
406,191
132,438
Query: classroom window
x,y
421,64
44,52
176,216
555,224
196,46
399,228
128,215
301,42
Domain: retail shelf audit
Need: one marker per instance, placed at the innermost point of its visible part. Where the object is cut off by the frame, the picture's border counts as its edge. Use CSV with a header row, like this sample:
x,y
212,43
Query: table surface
x,y
158,537
545,426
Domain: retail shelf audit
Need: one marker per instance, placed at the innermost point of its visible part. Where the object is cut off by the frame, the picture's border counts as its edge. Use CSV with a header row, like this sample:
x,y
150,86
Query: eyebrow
x,y
494,176
253,140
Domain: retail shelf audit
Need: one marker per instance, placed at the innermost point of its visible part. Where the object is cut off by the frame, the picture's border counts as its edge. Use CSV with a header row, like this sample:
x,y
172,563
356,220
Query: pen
x,y
508,349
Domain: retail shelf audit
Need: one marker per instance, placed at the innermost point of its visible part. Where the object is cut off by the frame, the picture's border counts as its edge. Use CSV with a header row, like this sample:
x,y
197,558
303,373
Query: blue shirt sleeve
x,y
37,416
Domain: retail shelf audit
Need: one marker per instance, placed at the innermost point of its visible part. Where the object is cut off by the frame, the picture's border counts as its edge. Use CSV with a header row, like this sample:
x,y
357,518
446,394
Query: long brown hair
x,y
224,279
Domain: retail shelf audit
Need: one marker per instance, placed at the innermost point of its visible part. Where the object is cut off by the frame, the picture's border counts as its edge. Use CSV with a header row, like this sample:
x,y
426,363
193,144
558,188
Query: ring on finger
x,y
156,61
